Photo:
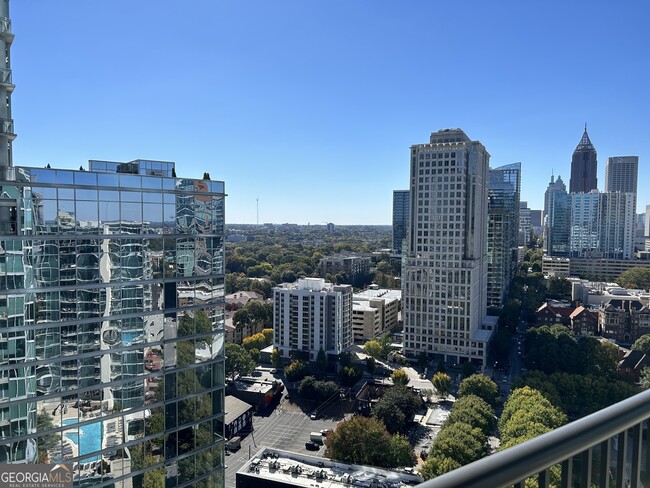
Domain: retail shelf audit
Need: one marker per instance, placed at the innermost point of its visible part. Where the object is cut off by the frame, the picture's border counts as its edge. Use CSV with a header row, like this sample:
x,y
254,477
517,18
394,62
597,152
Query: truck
x,y
234,443
316,437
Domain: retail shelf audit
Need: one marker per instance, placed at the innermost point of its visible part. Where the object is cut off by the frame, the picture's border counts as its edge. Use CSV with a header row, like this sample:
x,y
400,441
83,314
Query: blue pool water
x,y
129,336
88,439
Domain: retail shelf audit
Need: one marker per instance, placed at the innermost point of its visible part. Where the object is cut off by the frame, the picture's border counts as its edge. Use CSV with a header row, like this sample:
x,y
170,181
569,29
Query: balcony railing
x,y
6,126
606,448
5,26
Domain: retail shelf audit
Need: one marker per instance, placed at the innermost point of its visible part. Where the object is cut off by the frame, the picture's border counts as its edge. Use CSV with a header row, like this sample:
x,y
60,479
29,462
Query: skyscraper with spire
x,y
584,166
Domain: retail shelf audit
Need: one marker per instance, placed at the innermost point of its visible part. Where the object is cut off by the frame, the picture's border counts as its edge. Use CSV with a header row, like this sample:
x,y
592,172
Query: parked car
x,y
311,446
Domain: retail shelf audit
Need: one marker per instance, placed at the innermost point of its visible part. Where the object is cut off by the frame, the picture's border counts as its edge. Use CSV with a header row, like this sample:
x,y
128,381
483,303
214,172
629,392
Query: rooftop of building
x,y
308,471
387,294
235,408
311,284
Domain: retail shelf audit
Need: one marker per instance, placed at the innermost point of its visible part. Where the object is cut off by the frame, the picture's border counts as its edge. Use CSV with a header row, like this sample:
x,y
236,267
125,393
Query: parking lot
x,y
287,427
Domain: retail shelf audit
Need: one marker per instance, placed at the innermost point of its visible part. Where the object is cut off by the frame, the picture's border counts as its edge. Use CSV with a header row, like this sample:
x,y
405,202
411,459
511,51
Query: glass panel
x,y
130,181
216,186
152,182
131,211
66,194
109,196
86,194
44,191
109,212
42,175
169,183
87,212
130,196
108,180
85,178
152,197
152,213
64,177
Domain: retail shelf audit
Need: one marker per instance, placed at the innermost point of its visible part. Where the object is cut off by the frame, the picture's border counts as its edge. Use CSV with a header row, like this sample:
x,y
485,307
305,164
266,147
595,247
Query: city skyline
x,y
327,118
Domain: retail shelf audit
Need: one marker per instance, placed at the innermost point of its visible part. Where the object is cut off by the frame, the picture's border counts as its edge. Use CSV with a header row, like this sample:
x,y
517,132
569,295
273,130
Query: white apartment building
x,y
373,312
309,315
445,271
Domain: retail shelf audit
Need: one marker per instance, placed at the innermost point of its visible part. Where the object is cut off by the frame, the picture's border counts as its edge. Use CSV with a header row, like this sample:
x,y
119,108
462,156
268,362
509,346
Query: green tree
x,y
321,360
442,383
460,442
276,358
481,386
256,341
400,451
296,371
435,466
371,365
268,335
350,375
238,361
362,440
345,359
644,381
642,344
399,377
397,399
474,411
635,278
373,348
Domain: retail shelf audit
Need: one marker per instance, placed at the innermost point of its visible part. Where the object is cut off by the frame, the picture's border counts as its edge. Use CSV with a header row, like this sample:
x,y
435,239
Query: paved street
x,y
287,428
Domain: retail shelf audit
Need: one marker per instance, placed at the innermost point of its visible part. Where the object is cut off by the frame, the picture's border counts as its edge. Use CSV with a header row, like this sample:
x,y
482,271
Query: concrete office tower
x,y
617,225
556,219
621,174
312,314
584,239
584,165
504,188
400,219
525,225
112,313
445,270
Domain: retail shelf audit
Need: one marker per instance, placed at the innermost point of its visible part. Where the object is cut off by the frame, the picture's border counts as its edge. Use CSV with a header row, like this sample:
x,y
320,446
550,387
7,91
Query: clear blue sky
x,y
312,105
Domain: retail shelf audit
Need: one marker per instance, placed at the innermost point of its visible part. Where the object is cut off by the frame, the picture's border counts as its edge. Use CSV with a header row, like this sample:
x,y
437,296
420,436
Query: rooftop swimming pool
x,y
88,439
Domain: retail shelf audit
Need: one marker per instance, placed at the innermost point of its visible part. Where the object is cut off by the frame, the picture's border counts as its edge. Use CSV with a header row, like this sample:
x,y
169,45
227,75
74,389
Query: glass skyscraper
x,y
112,323
504,185
400,219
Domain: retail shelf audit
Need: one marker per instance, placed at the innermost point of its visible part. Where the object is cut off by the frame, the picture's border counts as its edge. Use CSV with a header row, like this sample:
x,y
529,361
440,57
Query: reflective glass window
x,y
131,211
130,196
153,182
152,197
108,180
86,194
66,194
168,183
152,213
109,196
42,175
85,178
44,191
130,181
64,177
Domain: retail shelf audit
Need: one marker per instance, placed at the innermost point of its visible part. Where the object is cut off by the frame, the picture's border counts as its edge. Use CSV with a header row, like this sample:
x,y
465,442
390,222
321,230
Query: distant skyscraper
x,y
621,174
525,225
584,167
556,219
617,225
503,229
585,224
400,219
445,270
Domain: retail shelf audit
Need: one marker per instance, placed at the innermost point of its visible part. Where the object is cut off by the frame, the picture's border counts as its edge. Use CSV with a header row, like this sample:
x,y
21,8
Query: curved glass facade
x,y
112,324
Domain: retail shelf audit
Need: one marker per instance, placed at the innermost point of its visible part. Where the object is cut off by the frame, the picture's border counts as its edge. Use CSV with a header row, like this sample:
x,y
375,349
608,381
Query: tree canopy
x,y
481,386
635,278
642,344
400,377
363,440
442,383
296,371
396,408
238,361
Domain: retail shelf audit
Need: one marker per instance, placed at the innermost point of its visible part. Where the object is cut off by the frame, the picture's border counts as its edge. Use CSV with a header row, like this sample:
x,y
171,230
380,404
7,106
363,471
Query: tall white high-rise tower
x,y
7,134
445,288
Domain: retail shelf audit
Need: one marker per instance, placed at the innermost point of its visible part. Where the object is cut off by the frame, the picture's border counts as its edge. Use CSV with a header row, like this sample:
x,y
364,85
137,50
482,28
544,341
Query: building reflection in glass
x,y
111,324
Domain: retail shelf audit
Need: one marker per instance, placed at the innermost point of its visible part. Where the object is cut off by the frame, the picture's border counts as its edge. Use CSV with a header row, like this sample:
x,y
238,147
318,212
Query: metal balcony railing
x,y
5,26
605,449
7,126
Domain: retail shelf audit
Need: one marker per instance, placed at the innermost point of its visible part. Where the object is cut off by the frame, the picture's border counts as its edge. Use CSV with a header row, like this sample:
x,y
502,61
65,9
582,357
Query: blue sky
x,y
312,105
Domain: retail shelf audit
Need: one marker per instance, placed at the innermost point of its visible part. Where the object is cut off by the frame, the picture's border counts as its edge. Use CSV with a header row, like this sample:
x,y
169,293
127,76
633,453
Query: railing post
x,y
543,481
605,461
635,474
586,459
621,458
567,473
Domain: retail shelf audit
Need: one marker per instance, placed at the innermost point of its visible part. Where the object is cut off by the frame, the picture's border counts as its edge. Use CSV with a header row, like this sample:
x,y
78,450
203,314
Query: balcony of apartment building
x,y
608,448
